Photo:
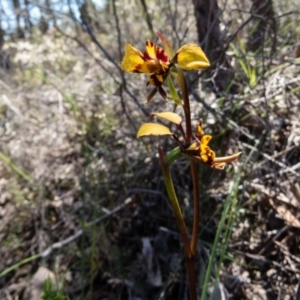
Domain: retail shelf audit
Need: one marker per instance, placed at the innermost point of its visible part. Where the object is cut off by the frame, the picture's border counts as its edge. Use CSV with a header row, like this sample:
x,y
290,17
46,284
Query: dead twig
x,y
73,237
285,168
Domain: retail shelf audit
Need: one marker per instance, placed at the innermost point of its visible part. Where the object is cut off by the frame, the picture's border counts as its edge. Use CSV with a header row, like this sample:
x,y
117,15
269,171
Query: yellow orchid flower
x,y
197,149
156,62
154,59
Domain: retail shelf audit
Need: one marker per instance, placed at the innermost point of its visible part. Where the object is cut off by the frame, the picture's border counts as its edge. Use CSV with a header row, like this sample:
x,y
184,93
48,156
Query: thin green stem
x,y
19,264
189,255
174,201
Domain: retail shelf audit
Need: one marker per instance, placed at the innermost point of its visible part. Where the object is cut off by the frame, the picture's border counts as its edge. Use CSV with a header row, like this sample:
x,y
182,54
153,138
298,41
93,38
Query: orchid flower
x,y
197,149
158,63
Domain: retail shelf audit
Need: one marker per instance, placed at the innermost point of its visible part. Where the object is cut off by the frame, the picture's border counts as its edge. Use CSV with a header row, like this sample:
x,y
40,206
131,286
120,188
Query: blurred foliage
x,y
50,294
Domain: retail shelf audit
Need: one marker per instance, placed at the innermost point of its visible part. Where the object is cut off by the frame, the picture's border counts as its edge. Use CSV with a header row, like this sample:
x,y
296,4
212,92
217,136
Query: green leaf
x,y
14,167
173,92
47,286
173,155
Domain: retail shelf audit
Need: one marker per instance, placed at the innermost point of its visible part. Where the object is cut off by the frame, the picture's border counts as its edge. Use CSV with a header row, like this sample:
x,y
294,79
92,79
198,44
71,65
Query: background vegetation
x,y
82,201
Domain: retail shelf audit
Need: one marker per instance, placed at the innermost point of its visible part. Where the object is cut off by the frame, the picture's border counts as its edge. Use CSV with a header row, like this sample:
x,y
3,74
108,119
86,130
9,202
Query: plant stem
x,y
196,219
190,267
174,201
187,112
186,104
189,255
196,201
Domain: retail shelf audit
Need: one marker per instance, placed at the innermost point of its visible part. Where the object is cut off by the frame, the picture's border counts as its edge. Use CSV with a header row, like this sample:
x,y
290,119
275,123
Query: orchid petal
x,y
168,115
155,80
153,129
191,57
205,139
227,159
219,166
154,52
166,44
151,95
134,61
206,154
132,58
193,146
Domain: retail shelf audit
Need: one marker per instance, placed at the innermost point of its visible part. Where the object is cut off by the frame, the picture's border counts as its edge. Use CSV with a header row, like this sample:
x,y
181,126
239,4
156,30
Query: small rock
x,y
35,288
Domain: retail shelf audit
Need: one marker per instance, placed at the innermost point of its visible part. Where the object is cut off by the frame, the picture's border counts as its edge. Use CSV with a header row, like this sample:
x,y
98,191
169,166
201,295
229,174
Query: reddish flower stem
x,y
186,104
196,219
187,113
